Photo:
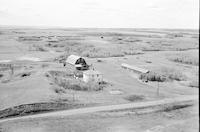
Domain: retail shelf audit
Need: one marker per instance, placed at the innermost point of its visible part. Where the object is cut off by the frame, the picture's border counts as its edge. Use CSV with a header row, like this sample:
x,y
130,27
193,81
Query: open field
x,y
38,77
183,120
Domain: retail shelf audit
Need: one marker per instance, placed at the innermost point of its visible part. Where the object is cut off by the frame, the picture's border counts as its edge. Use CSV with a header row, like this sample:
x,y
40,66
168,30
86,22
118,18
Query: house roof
x,y
91,72
72,59
134,68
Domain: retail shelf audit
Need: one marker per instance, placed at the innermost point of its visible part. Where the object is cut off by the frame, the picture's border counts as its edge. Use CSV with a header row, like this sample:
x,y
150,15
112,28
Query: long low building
x,y
134,68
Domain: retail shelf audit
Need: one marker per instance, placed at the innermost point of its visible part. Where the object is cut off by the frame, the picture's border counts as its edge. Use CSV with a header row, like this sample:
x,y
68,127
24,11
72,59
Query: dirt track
x,y
107,108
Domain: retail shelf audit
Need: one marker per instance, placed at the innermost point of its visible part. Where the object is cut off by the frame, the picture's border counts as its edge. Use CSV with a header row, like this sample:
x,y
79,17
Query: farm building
x,y
4,64
134,68
78,62
53,39
92,76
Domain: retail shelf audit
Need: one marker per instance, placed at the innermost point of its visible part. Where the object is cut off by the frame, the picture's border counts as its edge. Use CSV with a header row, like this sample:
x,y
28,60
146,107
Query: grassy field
x,y
179,120
171,56
190,58
150,49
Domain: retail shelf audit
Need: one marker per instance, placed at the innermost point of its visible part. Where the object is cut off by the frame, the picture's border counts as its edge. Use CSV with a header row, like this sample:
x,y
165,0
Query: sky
x,y
101,13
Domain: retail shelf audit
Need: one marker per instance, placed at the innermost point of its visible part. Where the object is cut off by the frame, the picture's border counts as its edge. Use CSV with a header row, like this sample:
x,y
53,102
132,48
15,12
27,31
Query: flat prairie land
x,y
37,53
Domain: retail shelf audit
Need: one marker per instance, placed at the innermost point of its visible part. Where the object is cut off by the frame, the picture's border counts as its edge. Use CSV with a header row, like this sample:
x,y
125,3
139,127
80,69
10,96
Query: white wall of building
x,y
92,77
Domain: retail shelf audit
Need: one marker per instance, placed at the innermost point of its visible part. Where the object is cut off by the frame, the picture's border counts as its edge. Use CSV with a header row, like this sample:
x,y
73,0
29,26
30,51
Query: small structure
x,y
53,39
92,76
78,62
134,68
7,64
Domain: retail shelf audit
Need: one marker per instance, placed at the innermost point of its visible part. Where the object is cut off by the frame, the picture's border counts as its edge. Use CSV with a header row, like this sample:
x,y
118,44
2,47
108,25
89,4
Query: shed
x,y
92,76
77,61
134,68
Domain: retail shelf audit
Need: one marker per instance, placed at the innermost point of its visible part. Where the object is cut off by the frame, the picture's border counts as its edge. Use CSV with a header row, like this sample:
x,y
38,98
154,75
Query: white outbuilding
x,y
53,39
92,76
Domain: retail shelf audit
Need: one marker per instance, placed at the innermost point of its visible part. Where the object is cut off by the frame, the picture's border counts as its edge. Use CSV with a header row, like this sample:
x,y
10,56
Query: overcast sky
x,y
101,13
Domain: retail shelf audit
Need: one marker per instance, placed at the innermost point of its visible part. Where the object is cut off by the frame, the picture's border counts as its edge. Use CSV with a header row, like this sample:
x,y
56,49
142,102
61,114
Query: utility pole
x,y
73,94
11,69
158,89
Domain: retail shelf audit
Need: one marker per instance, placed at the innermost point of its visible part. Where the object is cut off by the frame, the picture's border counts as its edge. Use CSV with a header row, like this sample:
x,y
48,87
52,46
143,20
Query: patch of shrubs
x,y
186,60
59,90
135,98
26,109
54,74
152,76
76,84
172,74
194,84
163,74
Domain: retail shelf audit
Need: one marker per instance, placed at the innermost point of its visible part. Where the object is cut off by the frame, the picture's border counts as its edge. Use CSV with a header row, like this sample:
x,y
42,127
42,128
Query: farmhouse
x,y
134,68
78,62
92,76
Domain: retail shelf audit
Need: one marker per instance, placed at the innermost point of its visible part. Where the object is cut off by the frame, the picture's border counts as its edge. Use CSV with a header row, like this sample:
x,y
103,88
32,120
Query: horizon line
x,y
64,27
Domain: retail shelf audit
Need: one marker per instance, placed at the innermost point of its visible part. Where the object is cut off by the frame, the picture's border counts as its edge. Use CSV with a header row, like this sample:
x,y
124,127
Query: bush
x,y
172,74
99,60
66,80
24,74
152,76
37,48
1,75
59,90
26,109
194,84
75,84
186,60
134,98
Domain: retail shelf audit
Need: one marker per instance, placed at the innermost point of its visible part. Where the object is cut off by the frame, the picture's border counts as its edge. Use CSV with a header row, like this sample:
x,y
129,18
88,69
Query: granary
x,y
92,76
78,62
134,68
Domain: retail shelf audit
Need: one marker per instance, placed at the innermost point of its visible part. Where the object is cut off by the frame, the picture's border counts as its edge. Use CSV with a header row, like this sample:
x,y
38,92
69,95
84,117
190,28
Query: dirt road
x,y
106,108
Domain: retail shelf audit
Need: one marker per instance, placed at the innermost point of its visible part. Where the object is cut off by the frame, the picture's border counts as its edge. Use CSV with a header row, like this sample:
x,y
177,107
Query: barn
x,y
92,76
78,62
